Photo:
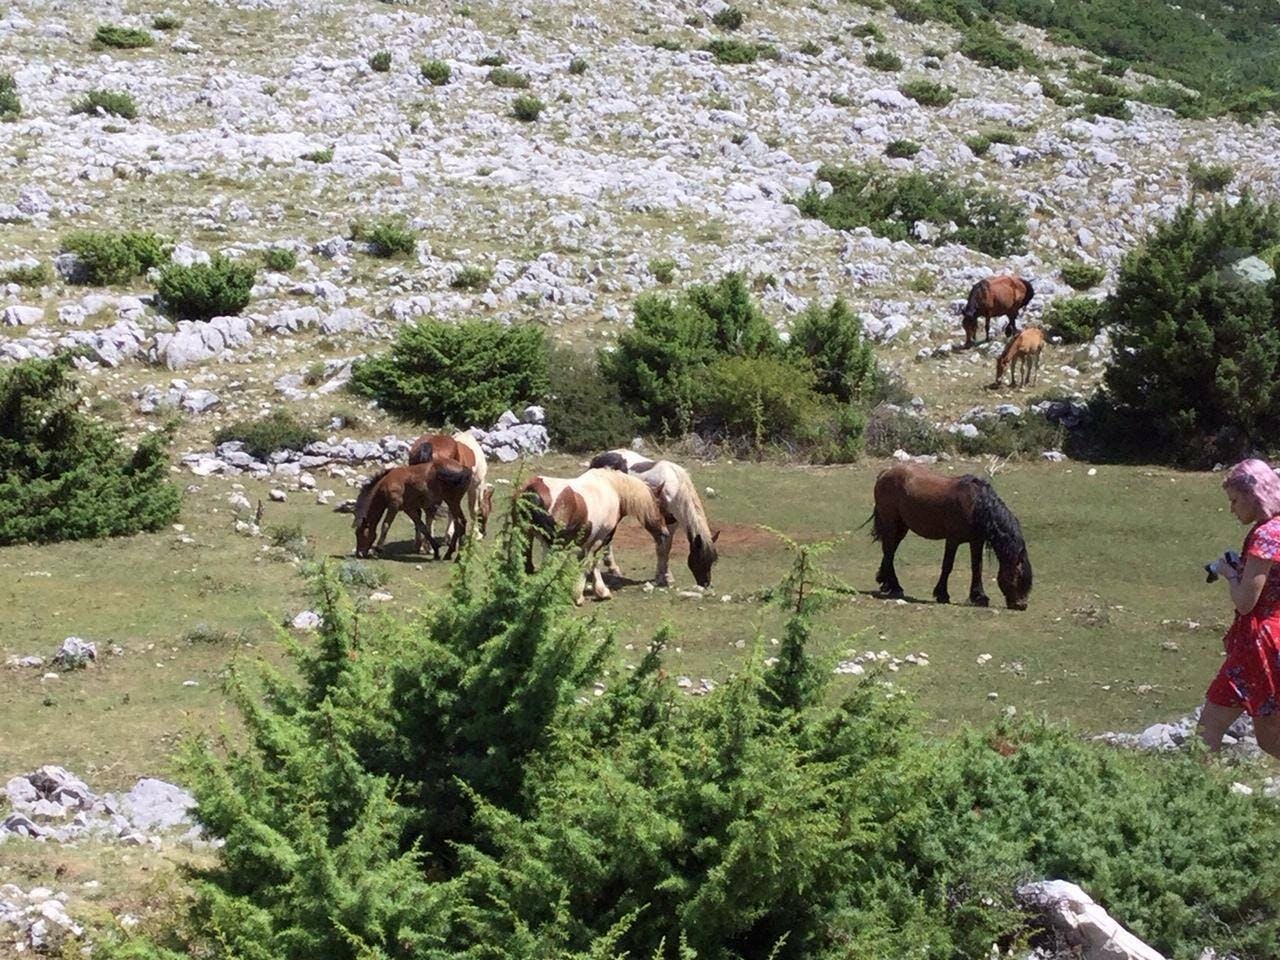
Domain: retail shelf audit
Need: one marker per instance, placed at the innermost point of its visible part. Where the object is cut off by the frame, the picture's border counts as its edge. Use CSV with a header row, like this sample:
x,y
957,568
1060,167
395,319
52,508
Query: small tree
x,y
461,374
108,259
584,412
221,287
10,104
1197,350
830,342
65,477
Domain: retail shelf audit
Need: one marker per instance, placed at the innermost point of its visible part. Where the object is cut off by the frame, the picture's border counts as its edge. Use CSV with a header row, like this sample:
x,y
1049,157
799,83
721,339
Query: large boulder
x,y
1084,925
1248,271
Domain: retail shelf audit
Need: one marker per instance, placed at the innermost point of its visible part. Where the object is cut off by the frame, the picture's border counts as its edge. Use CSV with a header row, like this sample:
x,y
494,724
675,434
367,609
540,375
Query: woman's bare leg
x,y
1215,721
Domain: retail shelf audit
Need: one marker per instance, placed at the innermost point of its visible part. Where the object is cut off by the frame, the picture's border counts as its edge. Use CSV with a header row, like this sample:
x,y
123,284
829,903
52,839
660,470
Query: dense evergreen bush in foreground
x,y
65,477
440,788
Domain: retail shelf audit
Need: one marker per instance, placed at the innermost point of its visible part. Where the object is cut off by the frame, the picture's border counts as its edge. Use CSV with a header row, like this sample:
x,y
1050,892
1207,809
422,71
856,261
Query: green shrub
x,y
923,282
290,538
493,60
387,236
280,430
1080,275
977,143
810,48
829,343
1114,107
10,104
202,291
927,93
1027,435
380,62
869,30
1075,319
667,43
660,361
937,53
114,102
729,18
116,258
1115,67
319,156
1185,103
883,60
901,149
894,205
27,276
983,43
1197,355
1102,86
767,51
436,72
891,428
471,277
577,66
663,269
527,107
64,476
280,259
122,38
584,412
165,21
1210,178
909,11
1000,135
732,51
758,401
508,79
463,374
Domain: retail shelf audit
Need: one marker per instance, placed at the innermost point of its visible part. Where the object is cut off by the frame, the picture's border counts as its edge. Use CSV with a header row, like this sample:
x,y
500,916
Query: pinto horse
x,y
1023,349
680,506
1000,296
418,490
461,448
586,510
910,498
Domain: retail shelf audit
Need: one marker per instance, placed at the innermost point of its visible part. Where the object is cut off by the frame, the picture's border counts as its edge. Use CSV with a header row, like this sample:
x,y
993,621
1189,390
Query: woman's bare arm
x,y
1246,589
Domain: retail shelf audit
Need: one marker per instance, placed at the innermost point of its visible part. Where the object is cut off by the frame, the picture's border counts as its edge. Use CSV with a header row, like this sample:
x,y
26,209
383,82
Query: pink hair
x,y
1256,480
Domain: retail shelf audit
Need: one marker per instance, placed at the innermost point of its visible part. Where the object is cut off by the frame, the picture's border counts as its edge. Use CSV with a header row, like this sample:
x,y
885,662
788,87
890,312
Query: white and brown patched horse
x,y
461,448
681,506
586,510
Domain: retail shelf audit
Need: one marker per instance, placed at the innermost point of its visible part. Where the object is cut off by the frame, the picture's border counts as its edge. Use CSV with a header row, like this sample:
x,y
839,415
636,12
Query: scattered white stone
x,y
278,495
306,620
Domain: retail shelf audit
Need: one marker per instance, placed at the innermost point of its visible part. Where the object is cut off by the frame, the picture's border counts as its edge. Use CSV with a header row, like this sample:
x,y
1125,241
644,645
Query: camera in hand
x,y
1226,565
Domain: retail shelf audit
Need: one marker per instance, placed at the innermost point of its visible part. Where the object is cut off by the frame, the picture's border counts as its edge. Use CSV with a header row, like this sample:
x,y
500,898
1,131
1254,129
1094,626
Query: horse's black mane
x,y
609,461
999,526
366,493
971,305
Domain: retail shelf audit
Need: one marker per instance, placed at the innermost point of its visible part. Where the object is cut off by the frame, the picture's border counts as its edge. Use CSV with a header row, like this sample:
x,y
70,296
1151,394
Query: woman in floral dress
x,y
1249,680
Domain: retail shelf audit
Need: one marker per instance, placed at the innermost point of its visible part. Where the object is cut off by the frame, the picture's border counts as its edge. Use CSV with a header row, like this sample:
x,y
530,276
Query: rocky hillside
x,y
264,123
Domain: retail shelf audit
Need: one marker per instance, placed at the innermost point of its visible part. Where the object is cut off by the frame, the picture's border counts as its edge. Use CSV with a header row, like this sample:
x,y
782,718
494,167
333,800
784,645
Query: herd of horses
x,y
585,511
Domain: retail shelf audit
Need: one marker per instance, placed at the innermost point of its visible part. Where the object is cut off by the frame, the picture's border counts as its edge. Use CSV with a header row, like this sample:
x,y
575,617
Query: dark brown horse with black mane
x,y
965,509
1002,296
418,490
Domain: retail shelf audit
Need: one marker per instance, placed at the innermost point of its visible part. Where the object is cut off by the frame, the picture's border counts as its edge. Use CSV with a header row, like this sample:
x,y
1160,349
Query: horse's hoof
x,y
980,601
897,594
942,597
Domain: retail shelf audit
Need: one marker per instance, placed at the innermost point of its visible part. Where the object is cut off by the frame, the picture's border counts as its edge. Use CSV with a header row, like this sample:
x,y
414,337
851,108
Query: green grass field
x,y
1106,643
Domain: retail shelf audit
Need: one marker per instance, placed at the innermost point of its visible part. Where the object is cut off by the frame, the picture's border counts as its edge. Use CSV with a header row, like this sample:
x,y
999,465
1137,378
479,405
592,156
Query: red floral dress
x,y
1250,676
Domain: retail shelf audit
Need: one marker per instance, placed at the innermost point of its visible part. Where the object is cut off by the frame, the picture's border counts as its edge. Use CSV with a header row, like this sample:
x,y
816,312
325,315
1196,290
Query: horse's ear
x,y
715,536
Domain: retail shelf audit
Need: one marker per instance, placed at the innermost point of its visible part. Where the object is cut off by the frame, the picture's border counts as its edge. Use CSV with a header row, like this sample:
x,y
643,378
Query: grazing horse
x,y
460,448
418,490
1000,296
955,509
680,505
1023,349
586,510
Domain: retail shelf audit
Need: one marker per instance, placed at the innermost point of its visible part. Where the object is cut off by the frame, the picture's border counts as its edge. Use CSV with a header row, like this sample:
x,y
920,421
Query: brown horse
x,y
1000,296
459,448
910,498
418,490
1023,349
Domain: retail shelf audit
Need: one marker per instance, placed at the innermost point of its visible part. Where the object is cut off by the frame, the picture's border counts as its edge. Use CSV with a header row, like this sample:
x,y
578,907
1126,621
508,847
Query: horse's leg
x,y
392,510
458,526
423,530
887,577
948,561
597,578
611,562
473,507
988,319
662,547
976,595
1011,327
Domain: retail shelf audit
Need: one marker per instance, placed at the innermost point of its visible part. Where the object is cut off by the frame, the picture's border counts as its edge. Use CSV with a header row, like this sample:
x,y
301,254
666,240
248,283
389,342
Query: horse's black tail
x,y
453,474
611,460
421,453
1000,528
875,530
1031,292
